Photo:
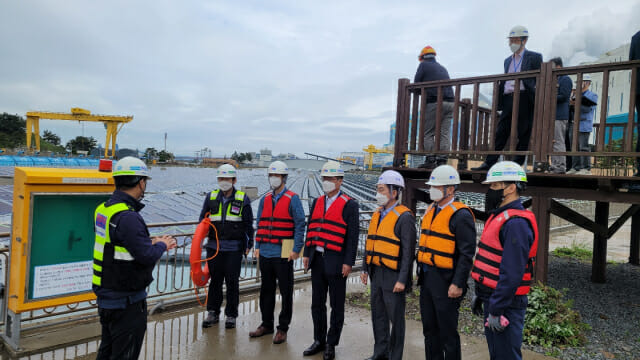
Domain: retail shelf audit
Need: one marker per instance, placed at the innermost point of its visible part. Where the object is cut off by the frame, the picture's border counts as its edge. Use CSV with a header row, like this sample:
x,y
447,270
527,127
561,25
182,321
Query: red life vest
x,y
486,267
275,224
329,229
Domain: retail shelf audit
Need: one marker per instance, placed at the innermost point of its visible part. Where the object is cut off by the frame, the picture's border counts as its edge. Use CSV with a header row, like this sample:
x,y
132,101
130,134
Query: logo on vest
x,y
101,225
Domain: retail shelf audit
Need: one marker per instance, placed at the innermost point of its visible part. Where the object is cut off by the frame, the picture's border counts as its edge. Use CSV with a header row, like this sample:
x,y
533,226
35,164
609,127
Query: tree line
x,y
12,135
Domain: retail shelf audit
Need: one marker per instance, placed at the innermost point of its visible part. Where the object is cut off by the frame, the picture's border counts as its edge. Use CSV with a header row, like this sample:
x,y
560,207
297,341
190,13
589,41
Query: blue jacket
x,y
431,70
270,250
587,112
516,237
564,94
132,231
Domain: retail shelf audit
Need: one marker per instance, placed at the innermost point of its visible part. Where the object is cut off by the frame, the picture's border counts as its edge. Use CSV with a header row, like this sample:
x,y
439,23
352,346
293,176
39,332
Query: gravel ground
x,y
611,309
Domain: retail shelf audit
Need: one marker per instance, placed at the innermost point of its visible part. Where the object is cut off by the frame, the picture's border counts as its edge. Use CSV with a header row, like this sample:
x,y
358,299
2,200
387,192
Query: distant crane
x,y
372,149
110,122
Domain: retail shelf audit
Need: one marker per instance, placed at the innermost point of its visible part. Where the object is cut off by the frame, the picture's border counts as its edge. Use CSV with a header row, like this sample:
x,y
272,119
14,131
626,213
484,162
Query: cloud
x,y
292,76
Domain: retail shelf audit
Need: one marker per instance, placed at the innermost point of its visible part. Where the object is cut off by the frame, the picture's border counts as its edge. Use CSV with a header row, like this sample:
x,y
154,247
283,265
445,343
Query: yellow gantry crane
x,y
112,123
372,149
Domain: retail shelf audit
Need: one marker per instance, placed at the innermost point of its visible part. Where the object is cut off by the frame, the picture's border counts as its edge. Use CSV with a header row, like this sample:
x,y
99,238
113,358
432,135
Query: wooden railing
x,y
474,127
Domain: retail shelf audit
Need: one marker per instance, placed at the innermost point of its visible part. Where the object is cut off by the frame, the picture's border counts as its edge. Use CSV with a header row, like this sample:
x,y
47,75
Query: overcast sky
x,y
293,76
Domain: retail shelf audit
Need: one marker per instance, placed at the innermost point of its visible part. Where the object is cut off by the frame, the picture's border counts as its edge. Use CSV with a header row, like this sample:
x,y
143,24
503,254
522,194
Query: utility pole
x,y
165,142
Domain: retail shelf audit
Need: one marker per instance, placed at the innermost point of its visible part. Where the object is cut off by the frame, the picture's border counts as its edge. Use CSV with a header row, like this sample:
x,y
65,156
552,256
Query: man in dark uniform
x,y
231,215
330,252
123,261
503,267
445,256
390,245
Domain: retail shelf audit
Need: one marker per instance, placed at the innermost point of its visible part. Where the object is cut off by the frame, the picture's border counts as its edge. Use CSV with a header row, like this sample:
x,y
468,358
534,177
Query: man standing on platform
x,y
521,60
231,215
558,163
430,70
123,259
279,241
634,54
330,252
390,245
504,265
445,255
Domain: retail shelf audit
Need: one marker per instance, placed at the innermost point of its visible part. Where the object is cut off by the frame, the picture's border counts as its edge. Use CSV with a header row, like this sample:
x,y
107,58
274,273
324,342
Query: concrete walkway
x,y
179,335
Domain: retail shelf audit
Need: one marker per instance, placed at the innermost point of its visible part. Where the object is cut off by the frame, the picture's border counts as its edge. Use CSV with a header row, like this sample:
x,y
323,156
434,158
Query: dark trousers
x,y
387,307
568,141
582,162
638,130
506,345
321,282
439,315
225,267
525,124
272,270
122,331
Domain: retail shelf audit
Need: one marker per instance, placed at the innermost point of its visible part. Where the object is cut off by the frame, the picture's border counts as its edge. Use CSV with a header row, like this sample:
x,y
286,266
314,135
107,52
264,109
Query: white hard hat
x,y
391,177
226,171
278,167
131,166
332,168
444,175
586,77
506,171
518,31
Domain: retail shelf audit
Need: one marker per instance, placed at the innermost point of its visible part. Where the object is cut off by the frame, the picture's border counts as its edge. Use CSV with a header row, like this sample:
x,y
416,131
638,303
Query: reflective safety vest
x,y
383,246
275,224
437,243
329,229
113,266
233,227
486,267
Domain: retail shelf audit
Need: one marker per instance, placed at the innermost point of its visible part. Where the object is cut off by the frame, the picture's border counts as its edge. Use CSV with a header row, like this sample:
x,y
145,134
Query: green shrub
x,y
550,321
580,252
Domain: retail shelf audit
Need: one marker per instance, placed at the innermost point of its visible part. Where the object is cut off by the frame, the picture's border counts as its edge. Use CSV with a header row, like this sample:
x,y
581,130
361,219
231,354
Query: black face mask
x,y
493,199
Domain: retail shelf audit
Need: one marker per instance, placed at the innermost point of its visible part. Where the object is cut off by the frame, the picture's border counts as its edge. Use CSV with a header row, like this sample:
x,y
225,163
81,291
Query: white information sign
x,y
62,279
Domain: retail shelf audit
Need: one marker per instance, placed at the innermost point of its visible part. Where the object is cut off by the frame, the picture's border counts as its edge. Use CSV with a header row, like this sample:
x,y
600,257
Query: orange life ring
x,y
199,274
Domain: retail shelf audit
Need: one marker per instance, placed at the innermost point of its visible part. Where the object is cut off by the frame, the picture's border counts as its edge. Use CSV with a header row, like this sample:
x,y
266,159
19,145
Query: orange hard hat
x,y
427,50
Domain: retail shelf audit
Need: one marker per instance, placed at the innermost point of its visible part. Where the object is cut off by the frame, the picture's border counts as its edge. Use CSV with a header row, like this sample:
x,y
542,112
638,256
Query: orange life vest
x,y
486,267
328,229
437,243
383,246
275,224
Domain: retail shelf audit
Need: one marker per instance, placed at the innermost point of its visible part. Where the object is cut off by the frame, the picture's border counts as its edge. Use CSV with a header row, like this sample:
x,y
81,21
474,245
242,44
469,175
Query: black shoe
x,y
230,322
329,353
212,319
483,167
377,358
315,348
637,173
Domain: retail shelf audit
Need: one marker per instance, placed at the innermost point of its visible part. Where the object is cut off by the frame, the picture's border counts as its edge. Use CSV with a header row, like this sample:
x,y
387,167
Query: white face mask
x,y
225,185
275,182
328,186
515,47
381,199
435,194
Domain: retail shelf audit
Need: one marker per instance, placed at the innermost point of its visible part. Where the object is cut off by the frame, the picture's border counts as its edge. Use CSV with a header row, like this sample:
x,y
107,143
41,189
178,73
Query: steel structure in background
x,y
473,138
112,123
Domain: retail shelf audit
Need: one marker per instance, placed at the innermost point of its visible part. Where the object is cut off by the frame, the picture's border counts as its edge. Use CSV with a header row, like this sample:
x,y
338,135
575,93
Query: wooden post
x,y
541,208
634,251
599,263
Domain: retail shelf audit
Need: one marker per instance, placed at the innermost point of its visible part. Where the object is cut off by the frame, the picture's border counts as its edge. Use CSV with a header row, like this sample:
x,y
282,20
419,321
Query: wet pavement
x,y
179,335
